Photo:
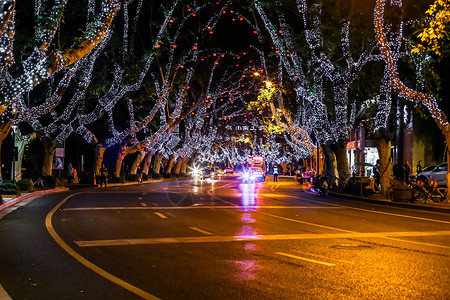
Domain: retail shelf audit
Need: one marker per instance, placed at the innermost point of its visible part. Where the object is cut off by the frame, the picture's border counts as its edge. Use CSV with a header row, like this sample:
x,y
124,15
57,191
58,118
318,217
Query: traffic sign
x,y
59,163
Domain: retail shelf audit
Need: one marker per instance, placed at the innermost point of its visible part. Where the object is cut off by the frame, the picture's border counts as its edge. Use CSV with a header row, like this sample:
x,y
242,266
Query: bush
x,y
52,181
116,180
9,188
167,175
156,176
25,185
131,177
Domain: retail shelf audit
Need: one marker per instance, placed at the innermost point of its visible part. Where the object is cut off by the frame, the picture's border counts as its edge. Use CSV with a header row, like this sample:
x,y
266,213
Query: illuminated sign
x,y
351,145
258,158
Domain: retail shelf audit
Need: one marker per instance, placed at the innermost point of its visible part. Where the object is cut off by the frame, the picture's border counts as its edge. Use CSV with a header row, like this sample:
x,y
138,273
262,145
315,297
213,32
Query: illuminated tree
x,y
310,70
45,60
429,101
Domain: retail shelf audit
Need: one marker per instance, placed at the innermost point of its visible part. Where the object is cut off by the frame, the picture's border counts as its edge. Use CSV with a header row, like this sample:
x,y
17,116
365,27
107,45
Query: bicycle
x,y
39,183
428,191
393,183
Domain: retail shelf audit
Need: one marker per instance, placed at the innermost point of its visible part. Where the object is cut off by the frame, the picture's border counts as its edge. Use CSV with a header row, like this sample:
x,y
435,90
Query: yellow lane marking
x,y
305,259
220,239
326,257
200,230
144,204
87,263
144,207
160,215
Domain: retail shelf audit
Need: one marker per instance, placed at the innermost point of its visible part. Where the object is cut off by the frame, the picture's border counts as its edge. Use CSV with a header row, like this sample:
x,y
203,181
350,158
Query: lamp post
x,y
14,152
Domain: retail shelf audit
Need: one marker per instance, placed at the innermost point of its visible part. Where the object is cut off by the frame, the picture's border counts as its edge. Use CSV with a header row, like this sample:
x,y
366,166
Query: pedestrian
x,y
275,174
103,176
70,172
419,167
139,175
407,169
75,175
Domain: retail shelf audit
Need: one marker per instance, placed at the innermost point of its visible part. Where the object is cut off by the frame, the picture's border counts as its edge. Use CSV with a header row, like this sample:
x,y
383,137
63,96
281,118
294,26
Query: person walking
x,y
139,175
407,169
70,172
103,176
75,175
275,174
419,167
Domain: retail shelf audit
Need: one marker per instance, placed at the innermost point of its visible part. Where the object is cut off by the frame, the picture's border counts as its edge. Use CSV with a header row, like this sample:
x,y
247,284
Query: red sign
x,y
351,145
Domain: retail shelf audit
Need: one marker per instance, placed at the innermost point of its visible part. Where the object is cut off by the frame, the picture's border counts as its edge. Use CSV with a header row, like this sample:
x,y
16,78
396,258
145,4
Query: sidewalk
x,y
377,199
11,203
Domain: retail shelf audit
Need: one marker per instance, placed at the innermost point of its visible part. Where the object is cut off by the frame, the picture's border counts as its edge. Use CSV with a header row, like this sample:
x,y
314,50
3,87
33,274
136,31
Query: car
x,y
253,174
208,173
424,175
229,171
438,174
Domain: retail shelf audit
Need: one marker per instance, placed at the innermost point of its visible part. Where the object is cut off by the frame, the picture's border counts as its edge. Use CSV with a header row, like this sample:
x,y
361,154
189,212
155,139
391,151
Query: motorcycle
x,y
319,185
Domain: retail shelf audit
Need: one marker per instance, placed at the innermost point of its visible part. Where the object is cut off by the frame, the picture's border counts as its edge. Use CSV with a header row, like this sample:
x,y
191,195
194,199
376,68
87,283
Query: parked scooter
x,y
319,185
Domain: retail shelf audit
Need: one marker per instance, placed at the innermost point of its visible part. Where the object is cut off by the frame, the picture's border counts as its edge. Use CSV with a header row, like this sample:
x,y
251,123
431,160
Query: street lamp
x,y
14,152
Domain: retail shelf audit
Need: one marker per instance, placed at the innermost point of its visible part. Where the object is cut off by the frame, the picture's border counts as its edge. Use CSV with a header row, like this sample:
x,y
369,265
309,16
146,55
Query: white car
x,y
438,174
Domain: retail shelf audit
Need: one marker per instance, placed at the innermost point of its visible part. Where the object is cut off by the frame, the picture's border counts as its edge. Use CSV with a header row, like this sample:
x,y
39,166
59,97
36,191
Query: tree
x,y
429,101
435,36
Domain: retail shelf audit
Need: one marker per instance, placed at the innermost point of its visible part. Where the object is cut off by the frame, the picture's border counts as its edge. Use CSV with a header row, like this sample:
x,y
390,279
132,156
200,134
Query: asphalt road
x,y
221,240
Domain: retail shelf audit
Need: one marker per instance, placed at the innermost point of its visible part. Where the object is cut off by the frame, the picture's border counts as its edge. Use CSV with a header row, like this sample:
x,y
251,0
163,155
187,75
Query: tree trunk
x,y
98,158
342,160
18,165
383,142
330,163
178,165
170,164
120,156
4,131
147,161
157,163
137,161
447,139
184,164
49,154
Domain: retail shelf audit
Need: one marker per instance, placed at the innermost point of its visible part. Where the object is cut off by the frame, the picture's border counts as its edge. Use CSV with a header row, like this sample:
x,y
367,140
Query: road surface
x,y
186,239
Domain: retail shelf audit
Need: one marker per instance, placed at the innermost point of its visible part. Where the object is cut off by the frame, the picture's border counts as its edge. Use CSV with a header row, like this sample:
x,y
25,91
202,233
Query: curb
x,y
32,194
392,203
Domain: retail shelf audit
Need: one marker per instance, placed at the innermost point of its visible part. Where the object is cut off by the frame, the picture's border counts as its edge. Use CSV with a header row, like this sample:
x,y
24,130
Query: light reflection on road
x,y
249,196
246,269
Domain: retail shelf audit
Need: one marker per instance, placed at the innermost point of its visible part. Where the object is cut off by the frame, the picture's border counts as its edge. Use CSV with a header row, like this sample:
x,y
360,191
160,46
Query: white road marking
x,y
383,213
305,259
170,214
220,239
160,215
200,230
